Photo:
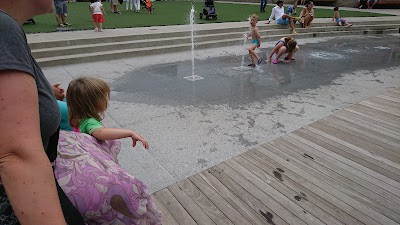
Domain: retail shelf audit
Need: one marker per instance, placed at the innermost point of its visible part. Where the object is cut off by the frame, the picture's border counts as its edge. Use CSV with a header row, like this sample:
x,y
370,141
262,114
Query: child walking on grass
x,y
98,14
338,19
87,167
255,35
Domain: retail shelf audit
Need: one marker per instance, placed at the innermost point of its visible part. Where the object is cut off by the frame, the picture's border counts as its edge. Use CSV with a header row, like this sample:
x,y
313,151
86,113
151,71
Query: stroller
x,y
209,10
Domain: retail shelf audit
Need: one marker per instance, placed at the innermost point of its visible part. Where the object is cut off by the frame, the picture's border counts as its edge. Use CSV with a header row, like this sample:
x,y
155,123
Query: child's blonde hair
x,y
254,16
291,43
87,97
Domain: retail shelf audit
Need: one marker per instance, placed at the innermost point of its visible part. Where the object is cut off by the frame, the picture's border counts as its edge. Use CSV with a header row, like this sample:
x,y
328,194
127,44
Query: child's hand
x,y
269,59
136,137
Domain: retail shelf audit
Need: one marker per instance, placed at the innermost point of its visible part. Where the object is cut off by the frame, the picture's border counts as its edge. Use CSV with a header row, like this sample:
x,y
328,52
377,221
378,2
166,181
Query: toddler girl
x,y
284,45
96,8
87,167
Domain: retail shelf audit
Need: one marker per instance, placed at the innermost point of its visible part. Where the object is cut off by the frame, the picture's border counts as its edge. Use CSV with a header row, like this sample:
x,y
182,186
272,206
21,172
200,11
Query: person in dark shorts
x,y
362,3
61,12
371,3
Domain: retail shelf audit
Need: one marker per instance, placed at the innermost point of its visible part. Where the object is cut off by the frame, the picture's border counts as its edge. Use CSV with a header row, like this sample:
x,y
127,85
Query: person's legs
x,y
307,21
253,54
137,5
262,6
281,51
290,55
289,20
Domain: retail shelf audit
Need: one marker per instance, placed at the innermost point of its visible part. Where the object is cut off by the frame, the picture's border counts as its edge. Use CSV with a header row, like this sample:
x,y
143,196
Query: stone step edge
x,y
283,32
105,39
89,57
69,50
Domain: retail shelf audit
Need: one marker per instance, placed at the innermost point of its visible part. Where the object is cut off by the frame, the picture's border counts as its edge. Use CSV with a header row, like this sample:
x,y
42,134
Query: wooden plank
x,y
388,97
352,168
190,205
267,200
391,94
385,102
293,173
361,134
295,183
373,149
385,172
206,204
274,153
168,218
306,205
369,130
279,197
254,217
381,107
174,207
339,175
218,201
247,197
363,121
351,189
388,125
378,114
354,147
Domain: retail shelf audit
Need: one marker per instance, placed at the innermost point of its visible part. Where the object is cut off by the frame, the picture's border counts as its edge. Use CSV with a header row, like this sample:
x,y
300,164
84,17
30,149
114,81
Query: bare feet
x,y
349,25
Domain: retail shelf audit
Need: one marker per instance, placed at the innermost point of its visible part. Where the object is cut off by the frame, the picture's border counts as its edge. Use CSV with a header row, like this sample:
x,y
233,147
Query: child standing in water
x,y
255,35
284,45
97,10
87,167
338,19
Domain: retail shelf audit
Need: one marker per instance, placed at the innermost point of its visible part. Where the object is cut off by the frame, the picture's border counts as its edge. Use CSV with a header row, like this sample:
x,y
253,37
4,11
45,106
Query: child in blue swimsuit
x,y
256,41
338,19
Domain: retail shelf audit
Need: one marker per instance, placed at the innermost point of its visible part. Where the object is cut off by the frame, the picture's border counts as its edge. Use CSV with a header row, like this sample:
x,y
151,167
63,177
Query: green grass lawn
x,y
165,13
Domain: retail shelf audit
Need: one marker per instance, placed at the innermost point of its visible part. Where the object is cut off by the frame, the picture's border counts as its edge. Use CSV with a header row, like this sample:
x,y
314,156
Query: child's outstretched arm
x,y
117,133
102,11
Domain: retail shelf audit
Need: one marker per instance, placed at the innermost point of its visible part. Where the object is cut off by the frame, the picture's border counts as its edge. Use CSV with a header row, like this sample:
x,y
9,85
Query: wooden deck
x,y
343,169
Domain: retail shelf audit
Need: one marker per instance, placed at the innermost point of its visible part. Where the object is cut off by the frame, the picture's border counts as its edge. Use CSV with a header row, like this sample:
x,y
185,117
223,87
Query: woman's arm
x,y
303,12
118,133
25,170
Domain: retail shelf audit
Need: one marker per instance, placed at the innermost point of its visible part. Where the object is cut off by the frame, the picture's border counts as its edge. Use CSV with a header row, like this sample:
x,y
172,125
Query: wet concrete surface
x,y
192,125
226,81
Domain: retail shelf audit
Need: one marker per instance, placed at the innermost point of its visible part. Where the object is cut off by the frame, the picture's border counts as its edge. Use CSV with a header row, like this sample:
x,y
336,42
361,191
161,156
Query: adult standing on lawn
x,y
29,122
362,3
61,12
262,6
137,5
371,3
129,3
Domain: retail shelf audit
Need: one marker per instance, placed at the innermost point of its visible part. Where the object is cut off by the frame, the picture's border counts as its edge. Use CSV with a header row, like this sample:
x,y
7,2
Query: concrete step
x,y
154,33
144,44
134,52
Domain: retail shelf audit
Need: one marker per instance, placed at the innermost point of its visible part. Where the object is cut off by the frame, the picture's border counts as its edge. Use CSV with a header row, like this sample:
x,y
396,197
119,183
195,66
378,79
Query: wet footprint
x,y
268,216
301,196
277,175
